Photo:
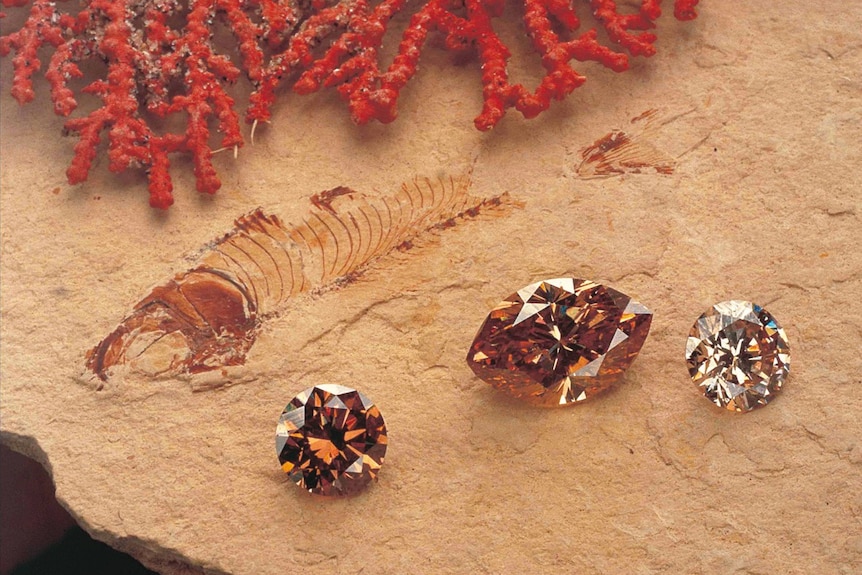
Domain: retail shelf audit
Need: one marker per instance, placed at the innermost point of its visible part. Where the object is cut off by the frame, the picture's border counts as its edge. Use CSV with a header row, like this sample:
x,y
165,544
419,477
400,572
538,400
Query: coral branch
x,y
684,9
163,63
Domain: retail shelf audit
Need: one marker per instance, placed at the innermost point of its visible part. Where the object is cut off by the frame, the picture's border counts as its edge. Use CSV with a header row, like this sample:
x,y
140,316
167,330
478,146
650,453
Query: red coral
x,y
158,68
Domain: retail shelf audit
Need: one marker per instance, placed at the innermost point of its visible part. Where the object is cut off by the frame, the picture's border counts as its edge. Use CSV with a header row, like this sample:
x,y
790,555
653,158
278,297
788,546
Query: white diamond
x,y
738,355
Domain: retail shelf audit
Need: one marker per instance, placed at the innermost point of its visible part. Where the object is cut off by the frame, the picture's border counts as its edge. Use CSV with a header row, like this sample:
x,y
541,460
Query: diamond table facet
x,y
331,440
738,355
559,341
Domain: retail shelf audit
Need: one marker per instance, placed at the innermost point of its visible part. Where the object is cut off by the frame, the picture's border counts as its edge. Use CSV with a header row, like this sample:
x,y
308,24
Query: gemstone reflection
x,y
559,341
331,440
738,355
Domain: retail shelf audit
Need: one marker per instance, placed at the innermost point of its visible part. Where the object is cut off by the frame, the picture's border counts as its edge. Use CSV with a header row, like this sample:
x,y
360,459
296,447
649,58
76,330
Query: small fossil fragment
x,y
631,152
208,317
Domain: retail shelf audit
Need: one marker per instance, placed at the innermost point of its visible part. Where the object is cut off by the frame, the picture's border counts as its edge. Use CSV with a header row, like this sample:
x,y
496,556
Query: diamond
x,y
559,341
738,355
331,440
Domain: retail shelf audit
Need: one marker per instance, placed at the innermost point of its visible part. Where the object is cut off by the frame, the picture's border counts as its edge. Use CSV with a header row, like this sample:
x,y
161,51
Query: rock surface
x,y
760,106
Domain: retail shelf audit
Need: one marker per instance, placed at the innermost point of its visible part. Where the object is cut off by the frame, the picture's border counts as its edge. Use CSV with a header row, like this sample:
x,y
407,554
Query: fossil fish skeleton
x,y
208,317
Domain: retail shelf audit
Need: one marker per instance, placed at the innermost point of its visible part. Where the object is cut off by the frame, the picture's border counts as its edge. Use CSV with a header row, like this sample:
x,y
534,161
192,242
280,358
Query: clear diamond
x,y
331,440
738,355
559,341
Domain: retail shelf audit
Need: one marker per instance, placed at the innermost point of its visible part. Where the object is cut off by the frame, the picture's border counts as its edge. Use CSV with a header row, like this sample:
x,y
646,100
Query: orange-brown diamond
x,y
331,440
559,341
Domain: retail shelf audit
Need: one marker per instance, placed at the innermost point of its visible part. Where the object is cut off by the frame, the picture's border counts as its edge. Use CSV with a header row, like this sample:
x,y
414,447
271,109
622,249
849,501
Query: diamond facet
x,y
738,355
559,341
331,440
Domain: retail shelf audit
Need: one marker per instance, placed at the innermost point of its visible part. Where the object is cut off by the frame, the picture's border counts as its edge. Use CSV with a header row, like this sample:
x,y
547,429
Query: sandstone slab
x,y
759,197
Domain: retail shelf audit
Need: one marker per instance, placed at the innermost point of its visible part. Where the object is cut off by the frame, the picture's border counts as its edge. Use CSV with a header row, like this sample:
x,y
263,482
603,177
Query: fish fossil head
x,y
201,320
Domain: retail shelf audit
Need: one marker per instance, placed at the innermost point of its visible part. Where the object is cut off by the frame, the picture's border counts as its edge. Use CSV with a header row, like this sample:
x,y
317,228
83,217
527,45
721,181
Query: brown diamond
x,y
738,355
331,440
559,341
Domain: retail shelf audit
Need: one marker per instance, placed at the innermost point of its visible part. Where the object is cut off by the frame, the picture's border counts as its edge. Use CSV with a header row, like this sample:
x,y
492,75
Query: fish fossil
x,y
208,317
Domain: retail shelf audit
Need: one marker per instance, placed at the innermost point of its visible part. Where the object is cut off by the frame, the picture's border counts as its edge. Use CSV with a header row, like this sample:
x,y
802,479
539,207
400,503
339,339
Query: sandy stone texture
x,y
759,103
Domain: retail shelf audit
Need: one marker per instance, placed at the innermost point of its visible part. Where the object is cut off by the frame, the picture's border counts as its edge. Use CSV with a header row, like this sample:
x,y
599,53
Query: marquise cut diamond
x,y
559,341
